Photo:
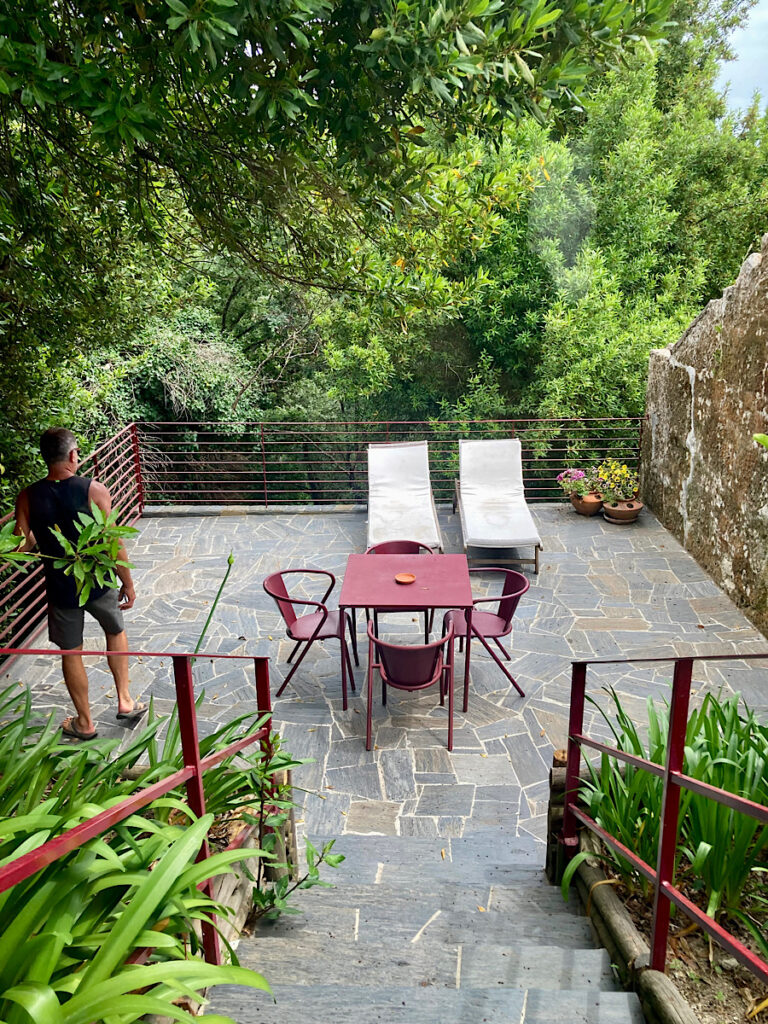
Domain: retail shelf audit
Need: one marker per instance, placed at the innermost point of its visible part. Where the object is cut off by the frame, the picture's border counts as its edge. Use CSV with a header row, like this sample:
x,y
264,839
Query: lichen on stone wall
x,y
701,472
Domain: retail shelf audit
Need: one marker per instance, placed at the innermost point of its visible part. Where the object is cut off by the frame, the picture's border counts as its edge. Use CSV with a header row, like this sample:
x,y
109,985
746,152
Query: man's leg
x,y
76,682
120,671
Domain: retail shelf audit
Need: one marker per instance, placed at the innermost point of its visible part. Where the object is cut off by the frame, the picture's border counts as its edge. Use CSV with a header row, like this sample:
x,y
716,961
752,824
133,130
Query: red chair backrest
x,y
399,547
515,585
409,665
275,587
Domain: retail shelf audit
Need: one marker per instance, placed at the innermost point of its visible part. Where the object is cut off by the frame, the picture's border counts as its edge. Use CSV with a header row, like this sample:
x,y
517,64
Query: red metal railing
x,y
273,464
323,463
662,877
191,775
22,591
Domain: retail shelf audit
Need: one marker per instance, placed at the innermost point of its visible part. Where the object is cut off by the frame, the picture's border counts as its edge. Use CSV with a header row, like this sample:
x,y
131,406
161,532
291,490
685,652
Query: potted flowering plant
x,y
618,485
580,487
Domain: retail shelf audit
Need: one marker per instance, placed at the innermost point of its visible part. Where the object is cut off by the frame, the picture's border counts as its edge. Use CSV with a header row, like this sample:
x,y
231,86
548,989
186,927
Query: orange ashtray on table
x,y
405,577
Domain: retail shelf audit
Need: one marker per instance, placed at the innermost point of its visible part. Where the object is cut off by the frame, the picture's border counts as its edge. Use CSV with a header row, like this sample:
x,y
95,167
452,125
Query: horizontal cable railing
x,y
114,463
276,464
317,463
191,775
674,782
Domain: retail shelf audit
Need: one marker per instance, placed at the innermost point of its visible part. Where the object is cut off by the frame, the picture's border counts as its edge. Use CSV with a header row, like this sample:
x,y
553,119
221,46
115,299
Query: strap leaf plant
x,y
67,934
722,853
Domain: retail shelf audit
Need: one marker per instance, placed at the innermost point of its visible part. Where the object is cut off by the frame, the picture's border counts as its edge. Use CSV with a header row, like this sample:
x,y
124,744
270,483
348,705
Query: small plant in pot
x,y
618,485
580,487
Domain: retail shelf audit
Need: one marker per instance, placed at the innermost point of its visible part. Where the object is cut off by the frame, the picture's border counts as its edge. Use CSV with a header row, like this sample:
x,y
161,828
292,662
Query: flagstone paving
x,y
603,591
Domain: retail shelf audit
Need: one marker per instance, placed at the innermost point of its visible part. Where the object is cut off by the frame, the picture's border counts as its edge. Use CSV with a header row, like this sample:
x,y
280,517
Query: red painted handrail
x,y
191,774
662,877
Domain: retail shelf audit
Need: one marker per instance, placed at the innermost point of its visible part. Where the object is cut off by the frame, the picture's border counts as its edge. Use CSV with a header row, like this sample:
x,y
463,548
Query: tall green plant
x,y
719,849
67,933
92,559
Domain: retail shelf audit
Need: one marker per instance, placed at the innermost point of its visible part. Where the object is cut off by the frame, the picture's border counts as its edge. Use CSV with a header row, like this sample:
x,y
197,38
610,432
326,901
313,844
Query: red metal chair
x,y
322,624
411,668
401,547
491,625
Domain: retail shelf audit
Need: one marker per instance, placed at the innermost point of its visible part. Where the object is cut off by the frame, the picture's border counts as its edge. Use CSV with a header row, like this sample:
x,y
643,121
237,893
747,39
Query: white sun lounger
x,y
491,500
400,502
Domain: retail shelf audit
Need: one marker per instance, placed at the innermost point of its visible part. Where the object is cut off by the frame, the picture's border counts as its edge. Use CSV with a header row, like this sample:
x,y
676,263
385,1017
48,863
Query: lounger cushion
x,y
400,503
493,509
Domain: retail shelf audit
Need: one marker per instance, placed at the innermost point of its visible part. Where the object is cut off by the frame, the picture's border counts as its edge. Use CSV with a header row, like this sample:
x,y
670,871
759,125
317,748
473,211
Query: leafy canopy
x,y
283,122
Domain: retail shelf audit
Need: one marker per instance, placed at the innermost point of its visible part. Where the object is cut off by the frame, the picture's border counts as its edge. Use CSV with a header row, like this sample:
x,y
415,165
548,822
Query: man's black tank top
x,y
57,503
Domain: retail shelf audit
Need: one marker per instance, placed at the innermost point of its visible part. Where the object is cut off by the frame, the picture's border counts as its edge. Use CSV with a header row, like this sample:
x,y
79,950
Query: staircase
x,y
456,931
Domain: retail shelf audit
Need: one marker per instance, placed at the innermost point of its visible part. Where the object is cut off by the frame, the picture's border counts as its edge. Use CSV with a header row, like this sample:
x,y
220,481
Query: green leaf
x,y
38,1001
570,871
525,71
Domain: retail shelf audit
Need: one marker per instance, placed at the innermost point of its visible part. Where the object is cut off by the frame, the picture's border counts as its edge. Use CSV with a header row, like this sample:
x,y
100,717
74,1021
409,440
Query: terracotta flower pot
x,y
586,504
622,511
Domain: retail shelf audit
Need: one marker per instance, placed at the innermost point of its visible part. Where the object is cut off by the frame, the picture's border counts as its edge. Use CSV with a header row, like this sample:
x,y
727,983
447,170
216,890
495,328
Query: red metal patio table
x,y
442,581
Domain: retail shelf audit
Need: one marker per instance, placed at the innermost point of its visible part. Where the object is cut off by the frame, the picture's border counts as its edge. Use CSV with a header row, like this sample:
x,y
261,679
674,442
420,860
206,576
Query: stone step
x,y
397,865
402,920
481,853
393,861
370,965
446,894
400,1005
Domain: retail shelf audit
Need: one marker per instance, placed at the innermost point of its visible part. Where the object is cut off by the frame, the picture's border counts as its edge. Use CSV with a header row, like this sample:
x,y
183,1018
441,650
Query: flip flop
x,y
68,728
133,715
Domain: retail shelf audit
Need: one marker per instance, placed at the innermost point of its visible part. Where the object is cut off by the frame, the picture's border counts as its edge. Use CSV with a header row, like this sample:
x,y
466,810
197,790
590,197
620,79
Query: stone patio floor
x,y
603,591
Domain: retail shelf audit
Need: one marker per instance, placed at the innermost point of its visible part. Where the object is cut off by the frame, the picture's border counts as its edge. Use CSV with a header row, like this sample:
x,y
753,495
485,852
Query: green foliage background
x,y
484,250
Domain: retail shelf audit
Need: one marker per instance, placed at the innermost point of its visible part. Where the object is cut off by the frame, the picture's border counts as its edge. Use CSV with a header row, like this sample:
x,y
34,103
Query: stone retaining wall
x,y
701,473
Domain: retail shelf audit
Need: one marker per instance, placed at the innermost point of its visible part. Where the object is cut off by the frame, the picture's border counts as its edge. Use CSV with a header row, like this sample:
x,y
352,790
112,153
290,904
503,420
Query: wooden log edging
x,y
613,928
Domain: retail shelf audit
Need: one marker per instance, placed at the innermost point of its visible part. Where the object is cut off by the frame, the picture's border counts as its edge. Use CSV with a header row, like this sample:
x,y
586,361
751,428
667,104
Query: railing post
x,y
264,700
264,465
137,466
185,702
670,810
573,763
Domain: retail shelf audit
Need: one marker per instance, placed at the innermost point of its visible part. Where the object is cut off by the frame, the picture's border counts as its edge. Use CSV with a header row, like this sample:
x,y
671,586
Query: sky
x,y
750,70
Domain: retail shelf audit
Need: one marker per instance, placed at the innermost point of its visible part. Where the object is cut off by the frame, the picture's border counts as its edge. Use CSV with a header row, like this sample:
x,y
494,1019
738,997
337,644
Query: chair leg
x,y
290,656
502,648
450,706
353,634
344,669
369,712
465,705
345,654
298,662
499,662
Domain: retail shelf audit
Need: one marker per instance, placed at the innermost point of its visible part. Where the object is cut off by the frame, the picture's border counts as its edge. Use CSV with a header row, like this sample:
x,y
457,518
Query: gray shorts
x,y
65,625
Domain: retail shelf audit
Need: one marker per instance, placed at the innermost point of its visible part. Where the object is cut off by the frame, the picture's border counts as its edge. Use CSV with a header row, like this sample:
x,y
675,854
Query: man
x,y
56,501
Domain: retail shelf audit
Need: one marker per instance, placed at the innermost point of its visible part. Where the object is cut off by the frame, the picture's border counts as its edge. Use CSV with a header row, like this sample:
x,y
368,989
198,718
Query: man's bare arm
x,y
100,495
22,527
